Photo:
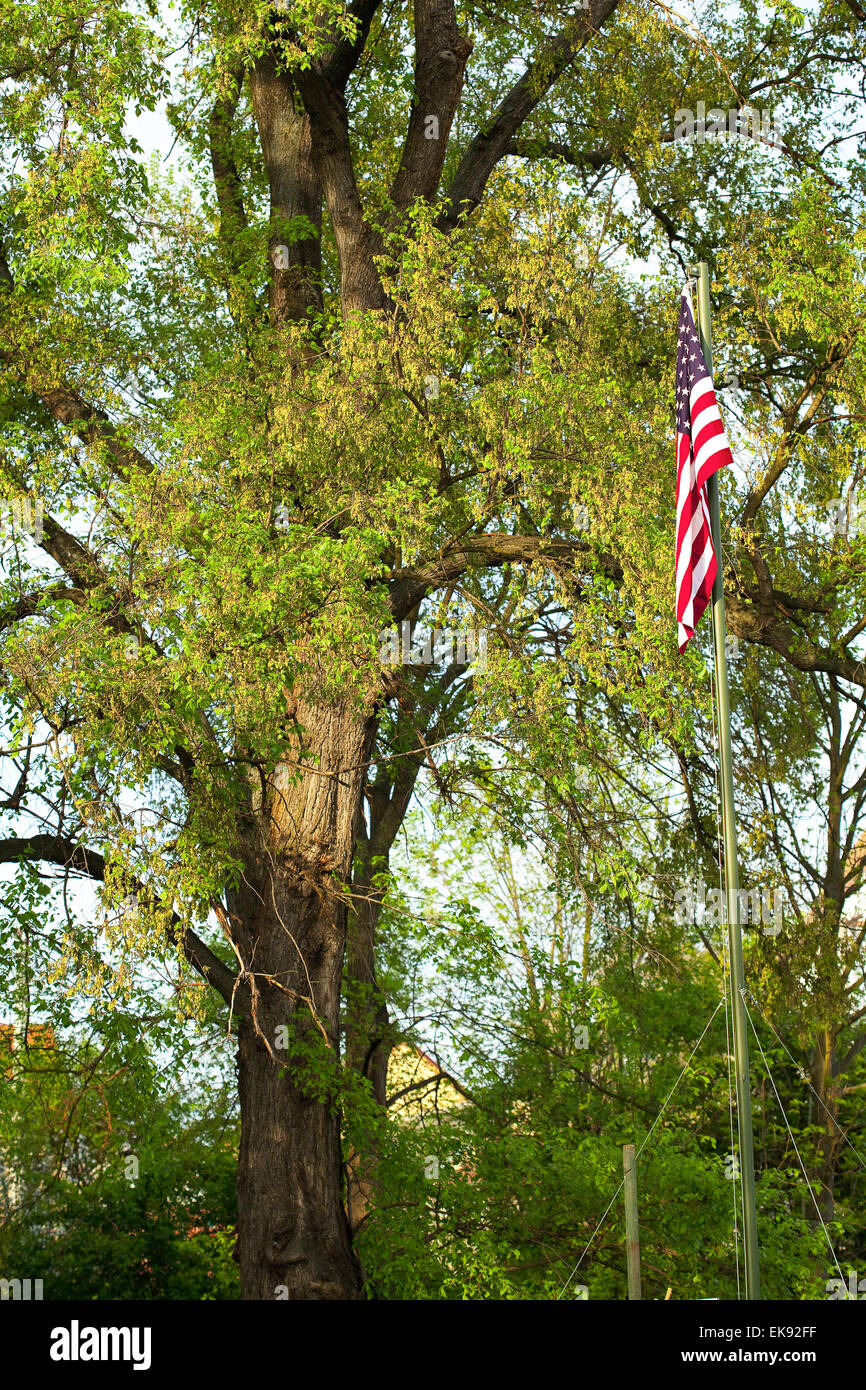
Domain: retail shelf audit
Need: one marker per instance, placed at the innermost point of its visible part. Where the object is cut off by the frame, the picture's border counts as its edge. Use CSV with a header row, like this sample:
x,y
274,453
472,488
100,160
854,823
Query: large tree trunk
x,y
287,922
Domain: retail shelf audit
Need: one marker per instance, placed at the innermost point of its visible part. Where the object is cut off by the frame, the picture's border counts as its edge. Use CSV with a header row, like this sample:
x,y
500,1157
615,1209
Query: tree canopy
x,y
385,349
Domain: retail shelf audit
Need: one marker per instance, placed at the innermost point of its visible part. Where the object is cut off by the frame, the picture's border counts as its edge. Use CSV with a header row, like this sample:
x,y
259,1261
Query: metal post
x,y
632,1234
732,880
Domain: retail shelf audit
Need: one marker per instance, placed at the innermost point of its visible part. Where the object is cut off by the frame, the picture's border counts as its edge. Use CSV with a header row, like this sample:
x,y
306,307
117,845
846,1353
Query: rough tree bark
x,y
287,925
287,920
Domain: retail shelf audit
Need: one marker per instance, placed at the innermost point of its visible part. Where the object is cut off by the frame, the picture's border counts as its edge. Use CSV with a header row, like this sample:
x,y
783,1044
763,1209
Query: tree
x,y
116,1187
371,384
118,1131
505,1186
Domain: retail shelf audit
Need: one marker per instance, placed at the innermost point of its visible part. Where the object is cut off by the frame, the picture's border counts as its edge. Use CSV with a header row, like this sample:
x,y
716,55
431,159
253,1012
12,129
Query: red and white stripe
x,y
700,453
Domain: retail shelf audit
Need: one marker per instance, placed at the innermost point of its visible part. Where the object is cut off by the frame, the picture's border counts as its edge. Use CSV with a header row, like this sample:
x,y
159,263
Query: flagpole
x,y
729,827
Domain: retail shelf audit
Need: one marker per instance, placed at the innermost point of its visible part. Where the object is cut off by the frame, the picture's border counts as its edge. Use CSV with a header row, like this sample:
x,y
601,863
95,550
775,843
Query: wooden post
x,y
632,1235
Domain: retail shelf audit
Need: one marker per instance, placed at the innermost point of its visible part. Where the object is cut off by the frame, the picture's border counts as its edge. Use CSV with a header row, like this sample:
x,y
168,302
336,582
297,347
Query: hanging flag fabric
x,y
702,448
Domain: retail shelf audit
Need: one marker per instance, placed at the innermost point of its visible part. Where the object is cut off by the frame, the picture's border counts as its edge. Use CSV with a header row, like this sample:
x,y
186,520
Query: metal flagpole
x,y
729,827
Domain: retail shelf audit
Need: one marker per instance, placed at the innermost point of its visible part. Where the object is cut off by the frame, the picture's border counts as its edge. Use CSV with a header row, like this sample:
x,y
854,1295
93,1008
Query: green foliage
x,y
113,1186
234,501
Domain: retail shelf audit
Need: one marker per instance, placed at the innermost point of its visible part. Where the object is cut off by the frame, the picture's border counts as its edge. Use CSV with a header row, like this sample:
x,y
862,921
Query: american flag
x,y
702,448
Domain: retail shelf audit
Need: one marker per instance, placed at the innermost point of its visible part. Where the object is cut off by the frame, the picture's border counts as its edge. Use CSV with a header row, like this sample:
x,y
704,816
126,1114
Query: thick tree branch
x,y
295,192
227,182
338,68
360,284
409,586
69,408
54,849
28,605
441,53
767,630
91,424
490,145
72,557
815,386
527,147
